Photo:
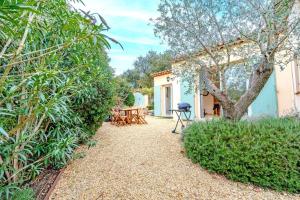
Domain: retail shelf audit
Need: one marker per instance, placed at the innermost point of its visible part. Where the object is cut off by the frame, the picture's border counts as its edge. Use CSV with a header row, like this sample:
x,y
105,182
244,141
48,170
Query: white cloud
x,y
123,58
115,51
120,63
137,40
134,14
129,21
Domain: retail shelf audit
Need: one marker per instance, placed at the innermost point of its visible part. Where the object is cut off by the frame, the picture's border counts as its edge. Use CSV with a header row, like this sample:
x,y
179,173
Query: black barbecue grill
x,y
185,109
184,106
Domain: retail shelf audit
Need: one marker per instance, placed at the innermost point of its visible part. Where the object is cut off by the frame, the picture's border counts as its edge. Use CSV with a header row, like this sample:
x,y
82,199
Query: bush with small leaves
x,y
264,152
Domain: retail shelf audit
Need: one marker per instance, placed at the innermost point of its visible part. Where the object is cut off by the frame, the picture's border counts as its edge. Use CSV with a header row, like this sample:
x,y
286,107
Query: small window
x,y
297,74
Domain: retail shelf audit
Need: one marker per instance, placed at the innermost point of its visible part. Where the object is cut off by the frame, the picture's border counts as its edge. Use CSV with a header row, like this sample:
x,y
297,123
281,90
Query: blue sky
x,y
130,25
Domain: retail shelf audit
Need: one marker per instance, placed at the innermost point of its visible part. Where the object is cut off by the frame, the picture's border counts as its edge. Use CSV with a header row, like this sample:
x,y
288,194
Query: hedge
x,y
265,152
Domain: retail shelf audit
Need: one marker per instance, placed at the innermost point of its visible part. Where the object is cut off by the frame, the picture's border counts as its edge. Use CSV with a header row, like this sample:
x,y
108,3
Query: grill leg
x,y
174,131
188,118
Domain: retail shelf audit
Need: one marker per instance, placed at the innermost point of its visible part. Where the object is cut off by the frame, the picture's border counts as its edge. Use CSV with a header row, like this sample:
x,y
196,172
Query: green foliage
x,y
265,152
123,89
129,101
151,106
147,91
144,66
24,194
56,87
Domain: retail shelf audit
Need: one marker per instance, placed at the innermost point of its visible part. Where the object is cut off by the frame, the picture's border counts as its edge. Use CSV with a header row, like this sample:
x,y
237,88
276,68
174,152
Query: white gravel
x,y
146,162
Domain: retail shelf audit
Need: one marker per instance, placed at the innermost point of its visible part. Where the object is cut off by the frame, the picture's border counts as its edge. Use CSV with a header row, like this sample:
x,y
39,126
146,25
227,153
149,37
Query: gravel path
x,y
146,162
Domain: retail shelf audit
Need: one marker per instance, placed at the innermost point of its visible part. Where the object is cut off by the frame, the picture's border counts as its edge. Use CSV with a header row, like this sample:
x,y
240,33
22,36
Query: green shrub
x,y
151,106
59,93
265,153
129,99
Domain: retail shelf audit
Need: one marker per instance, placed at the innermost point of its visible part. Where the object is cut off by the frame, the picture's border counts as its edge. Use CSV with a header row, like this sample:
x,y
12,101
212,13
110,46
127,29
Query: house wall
x,y
296,80
288,99
297,92
265,105
208,104
146,100
197,105
285,92
180,93
160,82
187,96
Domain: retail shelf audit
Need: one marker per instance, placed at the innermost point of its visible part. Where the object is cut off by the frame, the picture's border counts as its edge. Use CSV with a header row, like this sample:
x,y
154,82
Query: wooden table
x,y
133,115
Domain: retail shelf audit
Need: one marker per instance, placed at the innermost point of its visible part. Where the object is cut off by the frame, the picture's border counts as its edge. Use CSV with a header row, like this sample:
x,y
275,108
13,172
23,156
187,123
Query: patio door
x,y
168,100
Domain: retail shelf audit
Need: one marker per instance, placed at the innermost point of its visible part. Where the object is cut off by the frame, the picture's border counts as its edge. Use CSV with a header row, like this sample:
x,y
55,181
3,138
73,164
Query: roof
x,y
161,73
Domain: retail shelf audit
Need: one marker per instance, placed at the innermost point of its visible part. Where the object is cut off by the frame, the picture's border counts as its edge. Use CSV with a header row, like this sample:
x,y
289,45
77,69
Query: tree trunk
x,y
235,111
259,79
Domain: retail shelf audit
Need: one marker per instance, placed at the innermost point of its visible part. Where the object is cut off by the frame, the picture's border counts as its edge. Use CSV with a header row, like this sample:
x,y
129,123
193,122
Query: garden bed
x,y
44,184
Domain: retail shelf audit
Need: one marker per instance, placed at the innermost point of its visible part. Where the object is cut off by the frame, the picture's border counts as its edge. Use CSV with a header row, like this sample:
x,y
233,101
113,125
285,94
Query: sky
x,y
130,24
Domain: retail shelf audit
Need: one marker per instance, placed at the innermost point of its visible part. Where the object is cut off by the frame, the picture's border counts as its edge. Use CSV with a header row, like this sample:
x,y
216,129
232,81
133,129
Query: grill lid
x,y
184,106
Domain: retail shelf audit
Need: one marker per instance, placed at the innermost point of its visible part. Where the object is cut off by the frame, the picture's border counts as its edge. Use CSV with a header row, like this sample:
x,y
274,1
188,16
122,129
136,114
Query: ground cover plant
x,y
264,153
56,86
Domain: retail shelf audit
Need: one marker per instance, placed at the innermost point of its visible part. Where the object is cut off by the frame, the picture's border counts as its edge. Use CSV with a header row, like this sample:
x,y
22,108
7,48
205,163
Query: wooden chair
x,y
139,116
118,119
143,114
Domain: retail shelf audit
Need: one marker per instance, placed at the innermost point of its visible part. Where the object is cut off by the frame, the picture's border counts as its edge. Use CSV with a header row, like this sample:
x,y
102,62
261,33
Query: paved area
x,y
146,162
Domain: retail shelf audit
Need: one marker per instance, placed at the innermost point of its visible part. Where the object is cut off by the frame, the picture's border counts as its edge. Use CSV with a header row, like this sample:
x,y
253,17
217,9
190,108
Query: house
x,y
279,97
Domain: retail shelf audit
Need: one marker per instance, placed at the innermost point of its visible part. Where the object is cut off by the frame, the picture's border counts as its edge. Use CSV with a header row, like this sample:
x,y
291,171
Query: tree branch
x,y
213,89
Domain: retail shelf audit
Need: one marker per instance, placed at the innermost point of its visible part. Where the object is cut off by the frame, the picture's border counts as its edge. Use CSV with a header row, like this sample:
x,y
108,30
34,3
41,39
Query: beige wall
x,y
288,100
146,101
208,104
161,81
197,105
297,94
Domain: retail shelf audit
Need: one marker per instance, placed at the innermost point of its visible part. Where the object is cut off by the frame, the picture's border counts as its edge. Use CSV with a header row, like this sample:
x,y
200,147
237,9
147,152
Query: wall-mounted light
x,y
170,78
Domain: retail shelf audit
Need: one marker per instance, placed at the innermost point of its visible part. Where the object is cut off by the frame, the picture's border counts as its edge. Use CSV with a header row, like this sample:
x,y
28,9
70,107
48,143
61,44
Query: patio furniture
x,y
183,108
129,114
139,116
134,115
118,119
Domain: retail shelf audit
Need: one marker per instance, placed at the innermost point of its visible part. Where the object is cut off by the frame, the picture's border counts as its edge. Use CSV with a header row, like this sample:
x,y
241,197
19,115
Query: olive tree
x,y
209,36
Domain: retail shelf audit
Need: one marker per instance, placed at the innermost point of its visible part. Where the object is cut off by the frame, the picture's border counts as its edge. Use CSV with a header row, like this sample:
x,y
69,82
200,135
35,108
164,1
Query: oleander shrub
x,y
56,86
264,152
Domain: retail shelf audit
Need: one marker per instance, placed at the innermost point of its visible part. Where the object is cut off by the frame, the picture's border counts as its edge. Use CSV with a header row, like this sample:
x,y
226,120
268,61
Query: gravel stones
x,y
146,162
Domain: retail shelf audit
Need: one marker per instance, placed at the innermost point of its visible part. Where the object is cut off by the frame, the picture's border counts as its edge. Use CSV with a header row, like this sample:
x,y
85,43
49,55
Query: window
x,y
297,74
